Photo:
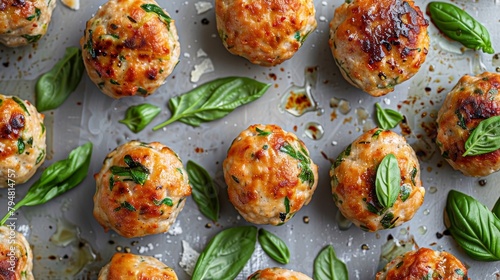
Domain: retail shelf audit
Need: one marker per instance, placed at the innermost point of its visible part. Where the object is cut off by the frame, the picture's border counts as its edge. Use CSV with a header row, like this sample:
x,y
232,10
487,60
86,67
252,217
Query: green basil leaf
x,y
473,227
226,254
54,87
388,181
20,145
274,246
135,170
213,100
496,209
57,179
21,104
387,118
152,8
204,190
139,116
485,138
32,38
306,175
167,201
327,266
460,26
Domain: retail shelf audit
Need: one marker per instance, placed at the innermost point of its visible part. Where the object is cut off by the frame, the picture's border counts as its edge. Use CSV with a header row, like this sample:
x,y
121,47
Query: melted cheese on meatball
x,y
353,178
378,44
141,189
276,273
16,258
269,174
472,100
130,47
132,267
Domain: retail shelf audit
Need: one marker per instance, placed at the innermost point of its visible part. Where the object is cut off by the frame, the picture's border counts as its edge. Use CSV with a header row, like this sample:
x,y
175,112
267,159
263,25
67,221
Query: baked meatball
x,y
269,174
16,258
125,266
266,32
276,273
141,189
22,141
353,176
424,263
23,22
130,47
471,101
378,44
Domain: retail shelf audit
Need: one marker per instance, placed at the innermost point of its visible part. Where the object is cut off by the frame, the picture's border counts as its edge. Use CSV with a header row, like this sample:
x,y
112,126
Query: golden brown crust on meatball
x,y
16,258
269,174
276,273
23,22
22,141
424,263
141,189
378,44
353,178
124,266
128,49
264,32
473,99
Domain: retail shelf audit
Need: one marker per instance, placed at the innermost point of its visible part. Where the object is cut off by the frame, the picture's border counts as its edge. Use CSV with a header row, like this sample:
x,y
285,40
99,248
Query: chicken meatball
x,y
130,47
125,266
378,44
141,189
23,22
276,273
16,258
22,141
472,100
354,175
424,263
269,174
262,31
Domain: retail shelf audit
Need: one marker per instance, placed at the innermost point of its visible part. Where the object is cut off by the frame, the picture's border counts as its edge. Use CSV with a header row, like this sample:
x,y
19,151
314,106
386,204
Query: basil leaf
x,y
135,170
327,266
388,181
167,201
226,254
139,116
57,179
496,209
213,100
203,190
152,8
306,174
32,38
274,246
387,118
54,87
473,227
460,26
485,138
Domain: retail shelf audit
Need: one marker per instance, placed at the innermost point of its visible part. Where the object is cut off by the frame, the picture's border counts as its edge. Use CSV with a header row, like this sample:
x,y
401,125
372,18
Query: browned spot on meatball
x,y
13,128
5,273
475,109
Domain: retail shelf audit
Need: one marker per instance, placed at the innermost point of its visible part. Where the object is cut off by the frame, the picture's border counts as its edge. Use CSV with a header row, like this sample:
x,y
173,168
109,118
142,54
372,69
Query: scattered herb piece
x,y
460,26
204,190
20,145
226,254
21,104
328,267
261,132
340,158
57,179
167,201
139,116
485,138
125,205
388,181
388,220
135,170
213,100
152,8
32,38
274,246
405,192
40,157
387,118
306,174
55,86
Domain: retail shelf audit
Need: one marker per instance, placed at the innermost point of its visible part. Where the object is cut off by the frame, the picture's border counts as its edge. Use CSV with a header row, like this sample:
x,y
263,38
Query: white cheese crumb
x,y
72,4
175,229
387,101
187,55
204,67
188,258
202,7
322,18
201,53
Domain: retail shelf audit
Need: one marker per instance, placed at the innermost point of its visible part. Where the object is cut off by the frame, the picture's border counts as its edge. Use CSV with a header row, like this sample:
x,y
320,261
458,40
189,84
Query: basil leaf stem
x,y
58,178
274,246
226,254
473,226
460,26
485,138
139,116
213,100
387,118
204,190
388,181
328,266
54,87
